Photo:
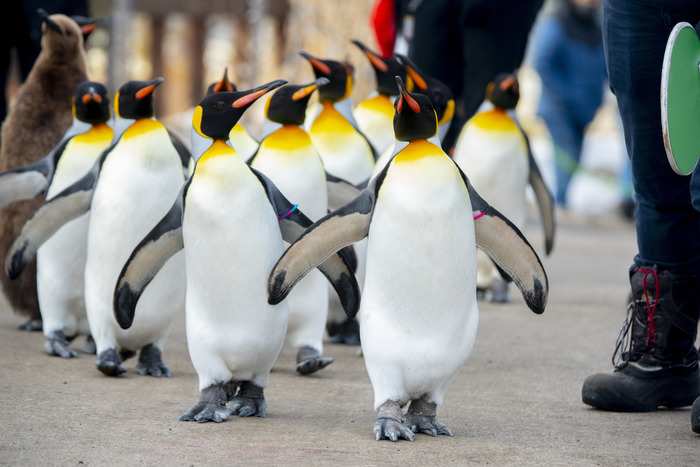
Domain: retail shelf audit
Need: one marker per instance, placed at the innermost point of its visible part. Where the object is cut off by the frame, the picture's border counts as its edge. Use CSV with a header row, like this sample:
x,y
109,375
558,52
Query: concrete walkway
x,y
516,402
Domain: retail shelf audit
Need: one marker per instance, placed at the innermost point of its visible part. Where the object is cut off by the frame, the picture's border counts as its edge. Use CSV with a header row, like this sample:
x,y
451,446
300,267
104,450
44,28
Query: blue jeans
x,y
567,137
635,35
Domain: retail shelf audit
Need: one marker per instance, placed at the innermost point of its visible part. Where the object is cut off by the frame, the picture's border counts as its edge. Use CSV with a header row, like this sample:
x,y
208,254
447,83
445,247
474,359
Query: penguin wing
x,y
67,205
509,249
30,180
545,200
337,266
182,151
149,256
341,192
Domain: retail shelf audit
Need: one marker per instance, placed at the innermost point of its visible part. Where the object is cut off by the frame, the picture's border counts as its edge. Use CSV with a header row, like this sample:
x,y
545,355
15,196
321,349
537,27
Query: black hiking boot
x,y
656,364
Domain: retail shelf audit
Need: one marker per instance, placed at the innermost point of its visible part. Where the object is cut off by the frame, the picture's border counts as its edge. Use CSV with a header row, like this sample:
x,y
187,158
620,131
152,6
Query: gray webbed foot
x,y
421,418
89,347
309,360
151,362
109,363
126,354
499,291
31,325
390,425
58,345
345,333
249,402
212,404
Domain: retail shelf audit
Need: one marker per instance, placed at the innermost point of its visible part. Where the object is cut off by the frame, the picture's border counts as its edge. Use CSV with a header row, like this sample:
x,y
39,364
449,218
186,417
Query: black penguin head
x,y
217,113
385,69
415,116
339,75
223,85
91,103
504,91
287,106
134,99
61,36
439,94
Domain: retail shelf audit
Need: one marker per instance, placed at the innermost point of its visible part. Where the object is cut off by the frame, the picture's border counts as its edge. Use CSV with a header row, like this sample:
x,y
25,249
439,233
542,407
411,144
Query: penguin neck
x,y
218,148
288,138
495,119
419,149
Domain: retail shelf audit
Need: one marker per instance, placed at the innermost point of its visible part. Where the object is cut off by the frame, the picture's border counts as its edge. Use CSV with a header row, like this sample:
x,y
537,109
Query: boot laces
x,y
623,345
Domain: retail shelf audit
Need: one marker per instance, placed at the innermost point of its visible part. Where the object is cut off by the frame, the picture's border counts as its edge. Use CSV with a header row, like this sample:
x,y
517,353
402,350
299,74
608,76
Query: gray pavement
x,y
515,402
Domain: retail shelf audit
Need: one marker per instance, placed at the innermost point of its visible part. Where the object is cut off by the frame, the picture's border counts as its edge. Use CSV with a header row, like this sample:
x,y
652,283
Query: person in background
x,y
568,56
21,32
463,43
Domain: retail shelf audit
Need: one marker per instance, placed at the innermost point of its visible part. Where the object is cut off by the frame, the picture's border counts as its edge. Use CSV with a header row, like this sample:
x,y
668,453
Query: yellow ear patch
x,y
449,112
197,121
493,120
116,104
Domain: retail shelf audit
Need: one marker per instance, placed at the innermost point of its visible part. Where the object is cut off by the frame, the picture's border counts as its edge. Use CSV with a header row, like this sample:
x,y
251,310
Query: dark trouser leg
x,y
567,138
657,364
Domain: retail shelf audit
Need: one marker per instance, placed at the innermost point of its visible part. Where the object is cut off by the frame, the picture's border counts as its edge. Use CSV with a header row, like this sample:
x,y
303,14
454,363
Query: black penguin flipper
x,y
182,151
544,197
149,256
69,204
31,180
506,245
251,159
338,266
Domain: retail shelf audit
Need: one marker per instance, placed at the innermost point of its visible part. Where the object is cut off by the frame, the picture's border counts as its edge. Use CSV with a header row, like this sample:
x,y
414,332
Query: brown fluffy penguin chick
x,y
40,116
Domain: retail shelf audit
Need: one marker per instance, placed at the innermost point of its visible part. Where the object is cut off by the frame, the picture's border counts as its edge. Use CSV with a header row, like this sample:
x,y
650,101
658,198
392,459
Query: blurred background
x,y
191,42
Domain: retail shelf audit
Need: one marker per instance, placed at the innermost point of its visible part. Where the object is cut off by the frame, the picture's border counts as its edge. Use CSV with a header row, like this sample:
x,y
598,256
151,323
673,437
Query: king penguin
x,y
494,151
441,99
61,260
128,189
346,153
375,115
419,314
39,117
288,158
239,137
231,221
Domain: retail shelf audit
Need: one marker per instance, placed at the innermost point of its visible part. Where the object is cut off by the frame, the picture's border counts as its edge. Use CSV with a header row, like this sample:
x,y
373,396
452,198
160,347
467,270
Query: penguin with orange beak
x,y
375,115
130,187
347,154
494,151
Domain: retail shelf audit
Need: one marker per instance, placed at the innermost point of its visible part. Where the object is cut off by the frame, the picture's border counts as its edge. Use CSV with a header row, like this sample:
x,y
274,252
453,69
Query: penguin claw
x,y
109,363
310,360
31,325
57,345
248,407
151,363
427,425
204,412
393,430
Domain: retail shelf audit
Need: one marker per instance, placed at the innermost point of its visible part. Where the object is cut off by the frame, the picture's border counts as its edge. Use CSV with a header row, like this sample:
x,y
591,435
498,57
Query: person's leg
x,y
655,361
566,153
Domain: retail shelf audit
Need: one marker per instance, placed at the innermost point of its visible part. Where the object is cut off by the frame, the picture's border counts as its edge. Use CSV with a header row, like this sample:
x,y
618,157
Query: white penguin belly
x,y
419,315
497,166
299,175
61,260
137,186
232,240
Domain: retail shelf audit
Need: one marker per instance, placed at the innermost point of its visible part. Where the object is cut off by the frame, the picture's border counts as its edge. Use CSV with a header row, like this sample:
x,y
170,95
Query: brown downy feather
x,y
38,119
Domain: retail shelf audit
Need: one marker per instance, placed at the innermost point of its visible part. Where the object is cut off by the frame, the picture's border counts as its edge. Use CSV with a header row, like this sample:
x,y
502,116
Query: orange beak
x,y
254,95
148,90
317,64
507,83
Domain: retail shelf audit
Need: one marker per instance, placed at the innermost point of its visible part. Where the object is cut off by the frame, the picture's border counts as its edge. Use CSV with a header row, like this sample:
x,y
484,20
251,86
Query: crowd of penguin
x,y
253,240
